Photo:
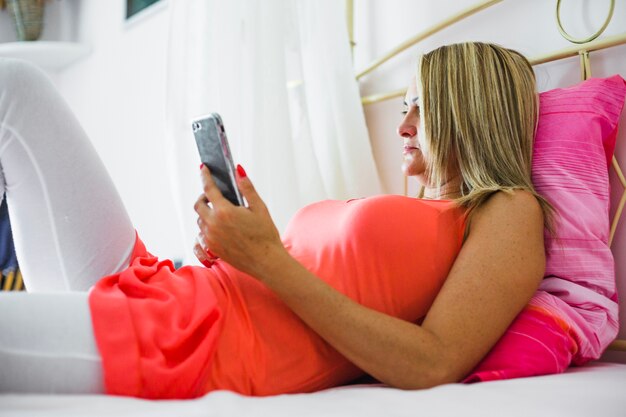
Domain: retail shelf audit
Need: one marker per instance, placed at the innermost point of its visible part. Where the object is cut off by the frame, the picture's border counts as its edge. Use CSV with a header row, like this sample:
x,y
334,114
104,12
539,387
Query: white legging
x,y
70,228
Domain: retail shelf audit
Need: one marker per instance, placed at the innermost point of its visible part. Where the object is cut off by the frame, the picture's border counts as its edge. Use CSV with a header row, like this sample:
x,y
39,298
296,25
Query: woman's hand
x,y
204,255
245,237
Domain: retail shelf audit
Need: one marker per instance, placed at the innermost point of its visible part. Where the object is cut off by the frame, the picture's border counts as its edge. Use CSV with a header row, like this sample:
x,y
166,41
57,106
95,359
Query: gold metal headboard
x,y
426,33
590,38
12,281
622,201
571,51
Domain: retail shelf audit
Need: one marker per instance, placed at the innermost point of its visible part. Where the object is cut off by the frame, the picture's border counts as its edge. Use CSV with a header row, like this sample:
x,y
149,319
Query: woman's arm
x,y
494,276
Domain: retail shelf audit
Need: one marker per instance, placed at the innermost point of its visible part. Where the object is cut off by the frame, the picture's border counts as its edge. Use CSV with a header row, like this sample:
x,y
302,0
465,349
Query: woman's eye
x,y
404,112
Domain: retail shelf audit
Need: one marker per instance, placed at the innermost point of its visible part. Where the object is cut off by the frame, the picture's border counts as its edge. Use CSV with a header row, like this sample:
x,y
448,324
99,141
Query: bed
x,y
594,389
586,391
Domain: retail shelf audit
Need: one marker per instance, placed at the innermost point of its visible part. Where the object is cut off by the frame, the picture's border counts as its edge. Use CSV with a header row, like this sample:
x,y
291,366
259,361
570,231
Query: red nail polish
x,y
207,263
201,165
241,171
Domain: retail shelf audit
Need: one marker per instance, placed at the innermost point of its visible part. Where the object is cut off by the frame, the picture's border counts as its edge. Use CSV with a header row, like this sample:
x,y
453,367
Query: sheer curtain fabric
x,y
280,74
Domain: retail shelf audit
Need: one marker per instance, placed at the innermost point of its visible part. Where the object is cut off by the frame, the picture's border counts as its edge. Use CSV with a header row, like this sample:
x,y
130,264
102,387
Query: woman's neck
x,y
448,191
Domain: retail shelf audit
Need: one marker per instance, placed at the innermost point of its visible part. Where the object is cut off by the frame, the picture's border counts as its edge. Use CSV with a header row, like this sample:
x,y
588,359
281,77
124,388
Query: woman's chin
x,y
409,170
418,175
413,164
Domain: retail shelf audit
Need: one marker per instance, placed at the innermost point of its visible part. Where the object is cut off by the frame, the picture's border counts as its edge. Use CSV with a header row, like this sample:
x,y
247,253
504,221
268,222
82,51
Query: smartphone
x,y
215,154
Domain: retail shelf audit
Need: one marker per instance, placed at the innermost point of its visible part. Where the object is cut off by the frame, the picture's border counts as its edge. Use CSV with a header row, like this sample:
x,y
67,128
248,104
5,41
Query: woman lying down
x,y
414,292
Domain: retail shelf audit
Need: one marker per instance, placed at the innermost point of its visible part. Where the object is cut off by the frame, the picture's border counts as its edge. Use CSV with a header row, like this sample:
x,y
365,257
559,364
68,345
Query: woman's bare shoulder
x,y
508,210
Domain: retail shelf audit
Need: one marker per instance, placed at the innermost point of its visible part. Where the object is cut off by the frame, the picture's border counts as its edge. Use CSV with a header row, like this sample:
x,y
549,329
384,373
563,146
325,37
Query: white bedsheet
x,y
595,390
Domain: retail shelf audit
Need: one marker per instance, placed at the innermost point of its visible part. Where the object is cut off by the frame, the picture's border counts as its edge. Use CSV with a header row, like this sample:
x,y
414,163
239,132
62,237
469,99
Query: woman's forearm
x,y
392,350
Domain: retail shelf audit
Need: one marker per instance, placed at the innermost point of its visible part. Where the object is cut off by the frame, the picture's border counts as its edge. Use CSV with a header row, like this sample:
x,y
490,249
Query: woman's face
x,y
409,130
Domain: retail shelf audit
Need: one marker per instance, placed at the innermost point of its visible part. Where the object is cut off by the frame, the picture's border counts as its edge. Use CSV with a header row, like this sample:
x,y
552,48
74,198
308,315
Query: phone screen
x,y
215,153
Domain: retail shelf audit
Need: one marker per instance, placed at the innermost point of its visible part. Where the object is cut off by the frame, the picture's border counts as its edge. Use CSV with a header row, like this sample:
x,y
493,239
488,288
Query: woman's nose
x,y
407,130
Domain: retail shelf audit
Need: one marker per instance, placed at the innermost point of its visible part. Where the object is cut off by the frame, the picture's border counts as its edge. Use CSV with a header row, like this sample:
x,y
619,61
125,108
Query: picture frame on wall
x,y
138,7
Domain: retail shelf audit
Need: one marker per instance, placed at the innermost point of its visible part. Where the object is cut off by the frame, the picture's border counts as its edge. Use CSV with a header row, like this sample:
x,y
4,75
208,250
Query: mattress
x,y
597,390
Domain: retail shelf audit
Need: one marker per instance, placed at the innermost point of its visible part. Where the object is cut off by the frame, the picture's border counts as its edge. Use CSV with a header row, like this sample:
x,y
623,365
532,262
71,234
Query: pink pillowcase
x,y
573,148
573,315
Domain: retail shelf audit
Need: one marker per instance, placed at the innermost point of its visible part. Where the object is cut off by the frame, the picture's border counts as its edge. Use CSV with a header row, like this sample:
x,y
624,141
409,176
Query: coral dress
x,y
166,333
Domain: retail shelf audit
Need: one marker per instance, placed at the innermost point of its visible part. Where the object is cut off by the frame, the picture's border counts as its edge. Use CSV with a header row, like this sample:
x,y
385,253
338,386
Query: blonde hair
x,y
479,113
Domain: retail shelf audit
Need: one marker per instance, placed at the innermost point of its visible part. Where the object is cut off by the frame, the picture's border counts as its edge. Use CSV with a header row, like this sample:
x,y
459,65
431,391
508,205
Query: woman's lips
x,y
408,149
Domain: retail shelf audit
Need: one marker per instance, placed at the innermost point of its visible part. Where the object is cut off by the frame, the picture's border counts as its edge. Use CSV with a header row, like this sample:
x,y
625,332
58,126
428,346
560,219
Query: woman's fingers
x,y
211,191
202,208
201,247
248,191
200,239
204,255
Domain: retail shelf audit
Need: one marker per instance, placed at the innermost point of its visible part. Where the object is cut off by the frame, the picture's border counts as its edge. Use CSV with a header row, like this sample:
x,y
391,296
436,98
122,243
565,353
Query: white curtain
x,y
280,74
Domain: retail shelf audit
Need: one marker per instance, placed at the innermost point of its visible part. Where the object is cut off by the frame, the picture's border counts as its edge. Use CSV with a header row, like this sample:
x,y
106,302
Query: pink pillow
x,y
573,148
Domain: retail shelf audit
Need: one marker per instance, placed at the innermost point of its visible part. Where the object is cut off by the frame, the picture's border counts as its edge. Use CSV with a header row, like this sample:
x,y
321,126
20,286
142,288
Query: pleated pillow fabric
x,y
574,145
